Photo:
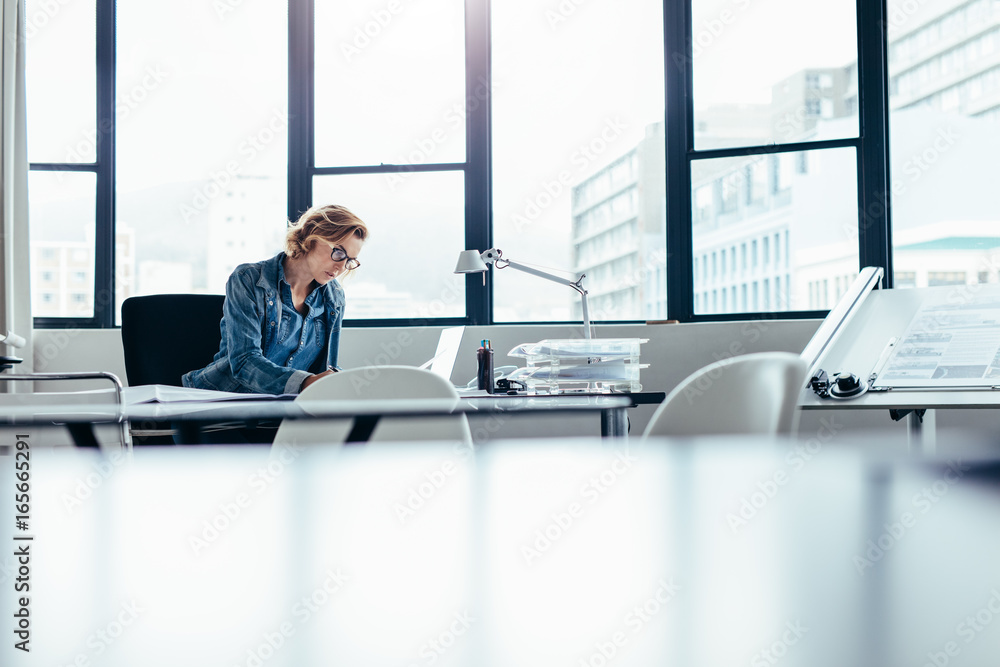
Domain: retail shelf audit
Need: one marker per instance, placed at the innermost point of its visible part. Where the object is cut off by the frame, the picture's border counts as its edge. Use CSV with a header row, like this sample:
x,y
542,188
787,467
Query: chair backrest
x,y
166,335
753,393
383,383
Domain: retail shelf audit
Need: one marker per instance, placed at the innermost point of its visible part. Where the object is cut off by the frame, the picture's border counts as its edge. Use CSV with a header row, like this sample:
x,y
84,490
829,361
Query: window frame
x,y
871,146
104,169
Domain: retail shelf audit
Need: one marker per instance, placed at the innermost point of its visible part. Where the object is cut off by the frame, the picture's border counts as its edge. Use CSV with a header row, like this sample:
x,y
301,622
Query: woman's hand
x,y
315,376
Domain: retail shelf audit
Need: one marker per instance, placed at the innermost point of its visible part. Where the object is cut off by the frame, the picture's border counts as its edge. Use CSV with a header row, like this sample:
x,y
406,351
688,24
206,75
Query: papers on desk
x,y
949,344
162,393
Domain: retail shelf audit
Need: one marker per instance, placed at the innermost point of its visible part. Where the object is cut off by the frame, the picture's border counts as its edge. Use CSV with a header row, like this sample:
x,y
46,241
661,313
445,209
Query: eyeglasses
x,y
338,254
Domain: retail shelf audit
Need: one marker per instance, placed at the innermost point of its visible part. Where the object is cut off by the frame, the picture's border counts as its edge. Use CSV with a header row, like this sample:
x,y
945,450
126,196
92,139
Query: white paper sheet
x,y
949,343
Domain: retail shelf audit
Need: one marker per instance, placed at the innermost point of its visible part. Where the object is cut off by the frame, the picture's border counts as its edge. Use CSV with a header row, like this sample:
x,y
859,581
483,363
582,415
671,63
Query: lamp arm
x,y
577,285
548,276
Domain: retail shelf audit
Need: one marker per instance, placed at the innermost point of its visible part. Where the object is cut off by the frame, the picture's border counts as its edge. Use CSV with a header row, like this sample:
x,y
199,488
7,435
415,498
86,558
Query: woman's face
x,y
323,267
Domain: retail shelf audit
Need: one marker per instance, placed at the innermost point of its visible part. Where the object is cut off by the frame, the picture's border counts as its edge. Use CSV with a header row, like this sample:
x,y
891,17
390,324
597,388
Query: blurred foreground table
x,y
549,552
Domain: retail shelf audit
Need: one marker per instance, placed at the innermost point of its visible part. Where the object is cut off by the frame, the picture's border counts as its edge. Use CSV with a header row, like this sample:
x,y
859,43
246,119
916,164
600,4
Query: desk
x,y
918,407
532,554
614,420
865,326
191,417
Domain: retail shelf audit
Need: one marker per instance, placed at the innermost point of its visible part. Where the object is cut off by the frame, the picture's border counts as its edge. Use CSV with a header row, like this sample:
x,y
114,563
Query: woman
x,y
282,316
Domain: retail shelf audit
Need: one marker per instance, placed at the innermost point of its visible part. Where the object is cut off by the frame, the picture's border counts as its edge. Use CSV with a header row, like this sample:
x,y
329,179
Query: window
x,y
925,142
532,128
939,278
577,100
905,279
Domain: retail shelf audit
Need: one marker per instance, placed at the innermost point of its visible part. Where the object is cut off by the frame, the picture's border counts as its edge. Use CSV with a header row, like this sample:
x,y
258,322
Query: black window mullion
x,y
478,193
104,253
389,168
301,71
874,231
773,149
679,132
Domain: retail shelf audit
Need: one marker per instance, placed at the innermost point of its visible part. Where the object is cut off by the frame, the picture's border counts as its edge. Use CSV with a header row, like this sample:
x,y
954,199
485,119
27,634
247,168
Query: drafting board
x,y
945,355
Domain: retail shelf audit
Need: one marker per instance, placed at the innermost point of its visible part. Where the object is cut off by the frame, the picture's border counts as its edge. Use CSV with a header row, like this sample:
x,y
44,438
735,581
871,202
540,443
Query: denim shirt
x,y
255,329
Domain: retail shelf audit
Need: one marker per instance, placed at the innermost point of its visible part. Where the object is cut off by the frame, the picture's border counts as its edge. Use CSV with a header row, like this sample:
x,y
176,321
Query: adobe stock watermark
x,y
435,647
709,31
127,101
900,12
635,620
365,34
85,486
452,122
303,610
794,631
390,352
967,630
53,348
224,7
248,149
795,460
555,16
914,169
750,331
561,182
229,512
923,502
419,494
561,522
101,639
43,14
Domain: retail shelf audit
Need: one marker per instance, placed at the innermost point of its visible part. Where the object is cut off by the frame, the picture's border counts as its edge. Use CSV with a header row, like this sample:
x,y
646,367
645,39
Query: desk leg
x,y
189,432
82,434
614,423
362,429
921,432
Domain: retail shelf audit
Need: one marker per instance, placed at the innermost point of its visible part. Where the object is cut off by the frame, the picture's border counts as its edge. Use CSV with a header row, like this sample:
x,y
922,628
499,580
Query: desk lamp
x,y
472,261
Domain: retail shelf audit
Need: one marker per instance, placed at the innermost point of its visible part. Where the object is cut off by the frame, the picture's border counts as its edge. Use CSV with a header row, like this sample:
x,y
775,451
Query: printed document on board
x,y
949,343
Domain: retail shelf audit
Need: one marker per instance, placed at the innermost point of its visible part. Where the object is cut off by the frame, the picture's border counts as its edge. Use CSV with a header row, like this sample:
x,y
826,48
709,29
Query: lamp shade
x,y
469,261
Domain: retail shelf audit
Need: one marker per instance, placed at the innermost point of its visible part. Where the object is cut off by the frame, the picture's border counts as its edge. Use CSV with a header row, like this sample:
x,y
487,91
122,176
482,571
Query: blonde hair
x,y
331,223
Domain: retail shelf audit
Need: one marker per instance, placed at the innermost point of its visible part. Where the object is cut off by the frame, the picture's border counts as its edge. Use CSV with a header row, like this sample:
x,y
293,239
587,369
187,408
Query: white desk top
x,y
532,553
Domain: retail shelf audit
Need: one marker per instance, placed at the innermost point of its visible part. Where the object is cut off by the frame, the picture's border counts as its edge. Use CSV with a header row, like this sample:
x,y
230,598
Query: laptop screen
x,y
443,361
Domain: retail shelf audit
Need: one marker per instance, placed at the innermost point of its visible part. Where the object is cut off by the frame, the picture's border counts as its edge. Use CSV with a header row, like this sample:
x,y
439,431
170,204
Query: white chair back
x,y
754,393
377,383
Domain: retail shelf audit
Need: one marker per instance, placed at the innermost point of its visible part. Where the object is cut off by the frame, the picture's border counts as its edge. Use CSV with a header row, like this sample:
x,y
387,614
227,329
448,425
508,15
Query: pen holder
x,y
484,360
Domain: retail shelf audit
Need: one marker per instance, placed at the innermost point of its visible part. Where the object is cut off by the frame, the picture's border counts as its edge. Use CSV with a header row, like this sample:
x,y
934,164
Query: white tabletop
x,y
528,553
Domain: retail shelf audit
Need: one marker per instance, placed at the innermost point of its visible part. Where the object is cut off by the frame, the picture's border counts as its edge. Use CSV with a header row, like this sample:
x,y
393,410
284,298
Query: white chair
x,y
377,383
752,394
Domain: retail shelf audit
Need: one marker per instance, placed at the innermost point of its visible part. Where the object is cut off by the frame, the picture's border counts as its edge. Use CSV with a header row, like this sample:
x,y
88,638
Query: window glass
x,y
578,164
416,225
759,78
816,213
62,208
390,82
61,80
201,112
944,138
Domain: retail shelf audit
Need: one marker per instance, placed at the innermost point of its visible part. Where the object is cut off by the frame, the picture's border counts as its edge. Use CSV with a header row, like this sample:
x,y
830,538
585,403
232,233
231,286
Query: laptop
x,y
443,361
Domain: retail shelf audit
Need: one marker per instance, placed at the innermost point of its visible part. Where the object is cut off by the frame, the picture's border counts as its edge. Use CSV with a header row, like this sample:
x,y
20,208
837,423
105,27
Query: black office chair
x,y
166,335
